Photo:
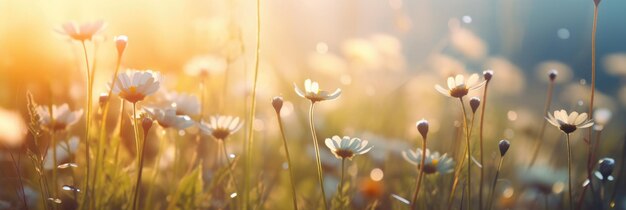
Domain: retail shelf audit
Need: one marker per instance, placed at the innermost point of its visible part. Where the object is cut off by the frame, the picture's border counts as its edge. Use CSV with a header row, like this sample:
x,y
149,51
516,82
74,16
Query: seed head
x,y
422,127
277,103
474,103
504,145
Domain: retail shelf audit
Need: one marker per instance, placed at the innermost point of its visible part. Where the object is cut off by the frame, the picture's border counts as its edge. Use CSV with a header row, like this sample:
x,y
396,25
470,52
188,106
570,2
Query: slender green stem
x,y
343,172
569,171
291,181
229,164
593,62
87,123
469,155
317,154
480,138
55,163
250,139
420,176
493,184
19,177
155,173
539,139
139,156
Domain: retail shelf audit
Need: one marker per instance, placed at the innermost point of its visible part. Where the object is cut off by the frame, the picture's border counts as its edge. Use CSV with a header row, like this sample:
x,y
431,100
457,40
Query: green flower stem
x,y
139,156
318,160
343,172
538,140
569,171
469,155
480,138
289,165
250,139
87,123
493,184
420,176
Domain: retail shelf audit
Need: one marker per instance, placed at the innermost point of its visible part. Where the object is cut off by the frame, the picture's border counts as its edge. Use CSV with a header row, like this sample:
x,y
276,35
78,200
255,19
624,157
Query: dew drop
x,y
67,165
285,165
401,199
232,156
70,188
233,195
55,200
580,103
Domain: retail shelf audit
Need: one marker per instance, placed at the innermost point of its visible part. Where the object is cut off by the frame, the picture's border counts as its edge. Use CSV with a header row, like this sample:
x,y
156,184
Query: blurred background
x,y
386,55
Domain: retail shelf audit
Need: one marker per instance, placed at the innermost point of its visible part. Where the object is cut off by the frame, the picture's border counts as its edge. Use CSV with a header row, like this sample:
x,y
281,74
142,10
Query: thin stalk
x,y
139,155
19,176
291,181
538,140
618,182
155,173
87,123
103,133
462,158
343,171
569,171
222,143
480,138
545,201
469,155
590,165
493,184
420,176
250,139
54,164
318,160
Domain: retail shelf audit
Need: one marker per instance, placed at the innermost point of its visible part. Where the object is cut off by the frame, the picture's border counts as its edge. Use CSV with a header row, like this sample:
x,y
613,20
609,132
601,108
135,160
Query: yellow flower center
x,y
132,95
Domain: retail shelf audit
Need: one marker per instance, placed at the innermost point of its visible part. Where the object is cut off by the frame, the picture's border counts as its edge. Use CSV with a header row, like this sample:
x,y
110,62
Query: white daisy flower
x,y
434,162
459,87
62,116
82,32
168,118
64,151
347,147
206,65
185,104
569,123
134,85
220,127
312,92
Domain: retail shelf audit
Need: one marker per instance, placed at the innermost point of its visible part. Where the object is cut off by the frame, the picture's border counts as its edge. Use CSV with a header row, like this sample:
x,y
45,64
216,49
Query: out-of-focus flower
x,y
312,92
220,127
434,162
168,118
347,147
371,189
581,98
458,86
605,169
82,32
542,178
134,85
64,151
601,117
615,64
467,43
569,123
184,104
510,80
390,50
62,117
362,52
121,42
544,69
206,65
12,128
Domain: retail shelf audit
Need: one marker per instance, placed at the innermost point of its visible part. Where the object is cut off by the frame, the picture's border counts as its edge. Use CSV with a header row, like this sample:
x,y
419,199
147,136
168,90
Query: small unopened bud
x,y
606,166
504,145
474,103
597,2
103,99
146,124
552,74
277,103
422,127
120,43
487,74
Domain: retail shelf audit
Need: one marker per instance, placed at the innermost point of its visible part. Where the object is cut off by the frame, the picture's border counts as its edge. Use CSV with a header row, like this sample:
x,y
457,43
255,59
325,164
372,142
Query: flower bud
x,y
597,2
103,99
474,103
504,145
487,74
120,43
606,166
422,127
552,74
146,124
277,103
